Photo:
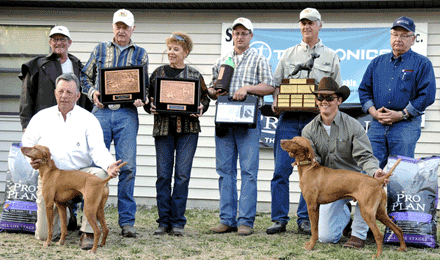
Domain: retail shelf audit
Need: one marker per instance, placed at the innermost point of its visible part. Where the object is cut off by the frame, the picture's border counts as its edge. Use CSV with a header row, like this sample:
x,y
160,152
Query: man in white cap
x,y
39,75
119,122
290,124
252,77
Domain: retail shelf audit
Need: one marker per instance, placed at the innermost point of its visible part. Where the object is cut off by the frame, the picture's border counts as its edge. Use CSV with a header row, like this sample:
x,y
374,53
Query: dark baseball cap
x,y
405,22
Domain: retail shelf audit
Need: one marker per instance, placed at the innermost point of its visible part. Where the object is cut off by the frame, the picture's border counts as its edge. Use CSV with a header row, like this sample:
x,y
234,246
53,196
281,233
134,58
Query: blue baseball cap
x,y
405,22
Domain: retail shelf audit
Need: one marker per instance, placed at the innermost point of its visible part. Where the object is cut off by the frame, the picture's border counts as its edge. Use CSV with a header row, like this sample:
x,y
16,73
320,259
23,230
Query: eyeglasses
x,y
395,35
327,98
177,37
243,34
63,40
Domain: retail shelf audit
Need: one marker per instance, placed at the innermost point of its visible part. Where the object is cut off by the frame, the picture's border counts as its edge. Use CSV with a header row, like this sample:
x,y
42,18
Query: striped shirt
x,y
252,69
108,55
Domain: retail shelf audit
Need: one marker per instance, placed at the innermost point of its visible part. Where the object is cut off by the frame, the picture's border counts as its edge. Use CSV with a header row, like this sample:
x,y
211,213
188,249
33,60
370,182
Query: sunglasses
x,y
177,37
327,98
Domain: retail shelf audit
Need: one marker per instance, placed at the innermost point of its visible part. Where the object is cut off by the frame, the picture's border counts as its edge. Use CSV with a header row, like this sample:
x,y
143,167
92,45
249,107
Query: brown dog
x,y
59,186
322,185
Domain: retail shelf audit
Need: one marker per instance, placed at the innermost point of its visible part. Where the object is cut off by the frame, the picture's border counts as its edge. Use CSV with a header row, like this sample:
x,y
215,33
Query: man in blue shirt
x,y
396,89
119,122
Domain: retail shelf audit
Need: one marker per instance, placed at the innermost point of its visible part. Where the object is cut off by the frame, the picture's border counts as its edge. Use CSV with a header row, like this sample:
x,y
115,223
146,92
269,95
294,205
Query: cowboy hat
x,y
328,85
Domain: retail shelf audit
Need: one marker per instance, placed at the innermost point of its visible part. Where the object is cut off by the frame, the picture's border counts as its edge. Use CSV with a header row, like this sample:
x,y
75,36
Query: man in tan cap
x,y
340,142
290,124
39,75
119,122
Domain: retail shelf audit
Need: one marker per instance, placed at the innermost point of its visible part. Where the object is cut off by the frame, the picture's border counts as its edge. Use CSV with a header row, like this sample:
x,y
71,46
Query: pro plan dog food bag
x,y
412,200
20,209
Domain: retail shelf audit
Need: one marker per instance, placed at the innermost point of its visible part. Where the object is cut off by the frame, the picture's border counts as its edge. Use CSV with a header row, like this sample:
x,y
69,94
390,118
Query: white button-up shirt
x,y
75,143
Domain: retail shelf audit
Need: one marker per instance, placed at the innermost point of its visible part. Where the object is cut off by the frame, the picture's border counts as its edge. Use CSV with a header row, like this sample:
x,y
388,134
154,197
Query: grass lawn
x,y
199,243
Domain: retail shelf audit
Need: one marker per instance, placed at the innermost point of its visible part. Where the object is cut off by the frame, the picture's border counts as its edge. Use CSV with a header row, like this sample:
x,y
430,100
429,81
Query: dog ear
x,y
311,153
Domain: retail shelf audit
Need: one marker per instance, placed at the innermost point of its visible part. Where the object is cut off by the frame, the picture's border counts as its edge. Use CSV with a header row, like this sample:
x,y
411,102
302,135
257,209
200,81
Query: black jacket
x,y
38,76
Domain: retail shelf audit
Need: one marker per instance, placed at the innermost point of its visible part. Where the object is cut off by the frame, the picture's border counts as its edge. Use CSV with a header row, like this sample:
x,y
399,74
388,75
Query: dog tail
x,y
388,175
110,177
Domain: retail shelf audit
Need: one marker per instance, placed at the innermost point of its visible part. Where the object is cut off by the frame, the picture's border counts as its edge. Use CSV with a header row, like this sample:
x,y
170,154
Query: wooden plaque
x,y
296,95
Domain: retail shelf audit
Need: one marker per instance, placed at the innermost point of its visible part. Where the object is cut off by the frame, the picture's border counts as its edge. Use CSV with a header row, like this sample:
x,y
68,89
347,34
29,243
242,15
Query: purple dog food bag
x,y
20,209
412,200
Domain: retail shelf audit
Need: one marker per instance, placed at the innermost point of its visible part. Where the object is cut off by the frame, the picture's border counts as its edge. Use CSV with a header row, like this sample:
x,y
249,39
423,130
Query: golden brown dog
x,y
322,185
59,186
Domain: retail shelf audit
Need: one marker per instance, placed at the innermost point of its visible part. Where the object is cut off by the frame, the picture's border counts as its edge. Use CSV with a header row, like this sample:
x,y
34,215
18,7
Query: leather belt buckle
x,y
114,106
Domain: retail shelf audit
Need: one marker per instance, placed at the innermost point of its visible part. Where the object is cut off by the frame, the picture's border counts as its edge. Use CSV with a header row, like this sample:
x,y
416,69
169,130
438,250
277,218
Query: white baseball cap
x,y
125,16
245,22
310,14
60,30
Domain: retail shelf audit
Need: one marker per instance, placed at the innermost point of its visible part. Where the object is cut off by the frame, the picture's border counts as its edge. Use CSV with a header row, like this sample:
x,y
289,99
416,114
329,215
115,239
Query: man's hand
x,y
153,107
138,103
387,116
379,174
240,94
113,170
200,113
215,93
96,95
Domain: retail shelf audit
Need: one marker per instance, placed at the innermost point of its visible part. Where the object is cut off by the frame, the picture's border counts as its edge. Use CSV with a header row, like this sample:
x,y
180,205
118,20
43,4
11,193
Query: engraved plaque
x,y
122,84
177,96
296,95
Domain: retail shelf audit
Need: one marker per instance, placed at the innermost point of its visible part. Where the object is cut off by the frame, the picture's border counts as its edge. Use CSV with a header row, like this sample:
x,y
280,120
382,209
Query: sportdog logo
x,y
262,48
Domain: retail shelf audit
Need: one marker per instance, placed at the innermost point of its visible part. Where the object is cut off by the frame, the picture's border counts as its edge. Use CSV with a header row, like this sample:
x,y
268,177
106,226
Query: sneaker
x,y
244,230
276,228
222,228
128,231
86,241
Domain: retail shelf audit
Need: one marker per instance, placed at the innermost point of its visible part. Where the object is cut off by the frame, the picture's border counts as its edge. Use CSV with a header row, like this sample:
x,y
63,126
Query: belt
x,y
118,106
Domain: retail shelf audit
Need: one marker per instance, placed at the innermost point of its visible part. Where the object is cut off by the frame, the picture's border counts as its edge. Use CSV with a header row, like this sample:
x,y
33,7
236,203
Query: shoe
x,y
347,230
161,230
305,228
128,231
176,231
222,228
86,241
276,228
355,242
244,230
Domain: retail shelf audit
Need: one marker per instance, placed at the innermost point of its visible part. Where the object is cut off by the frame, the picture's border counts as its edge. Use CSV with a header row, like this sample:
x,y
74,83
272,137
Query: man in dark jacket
x,y
39,74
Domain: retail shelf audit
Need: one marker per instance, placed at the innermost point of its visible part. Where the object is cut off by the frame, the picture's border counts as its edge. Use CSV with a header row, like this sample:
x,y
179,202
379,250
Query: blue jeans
x,y
121,126
242,143
399,138
334,217
289,125
172,207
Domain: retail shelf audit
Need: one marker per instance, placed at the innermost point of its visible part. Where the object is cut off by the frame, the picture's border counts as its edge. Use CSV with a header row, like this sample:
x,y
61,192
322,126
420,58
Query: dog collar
x,y
304,163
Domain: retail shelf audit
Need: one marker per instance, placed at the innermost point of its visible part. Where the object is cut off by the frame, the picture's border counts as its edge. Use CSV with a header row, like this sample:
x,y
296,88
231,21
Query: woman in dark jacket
x,y
175,133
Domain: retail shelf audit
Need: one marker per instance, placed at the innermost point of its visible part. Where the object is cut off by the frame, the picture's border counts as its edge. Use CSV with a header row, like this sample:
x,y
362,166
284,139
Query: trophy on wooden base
x,y
296,94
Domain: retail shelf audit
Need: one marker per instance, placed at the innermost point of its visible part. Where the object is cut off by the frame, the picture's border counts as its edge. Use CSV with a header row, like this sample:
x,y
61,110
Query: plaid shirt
x,y
253,69
108,55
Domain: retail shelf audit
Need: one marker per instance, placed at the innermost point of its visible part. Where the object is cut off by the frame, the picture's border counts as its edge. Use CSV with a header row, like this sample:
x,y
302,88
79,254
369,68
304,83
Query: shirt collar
x,y
69,114
129,44
246,52
402,57
337,120
306,47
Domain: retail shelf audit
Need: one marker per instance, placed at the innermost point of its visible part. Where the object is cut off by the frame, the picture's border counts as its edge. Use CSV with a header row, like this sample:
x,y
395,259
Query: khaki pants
x,y
41,225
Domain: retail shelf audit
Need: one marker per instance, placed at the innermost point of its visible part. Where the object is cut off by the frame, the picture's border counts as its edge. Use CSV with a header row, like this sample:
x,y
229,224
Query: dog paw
x,y
46,244
309,245
402,249
92,251
61,242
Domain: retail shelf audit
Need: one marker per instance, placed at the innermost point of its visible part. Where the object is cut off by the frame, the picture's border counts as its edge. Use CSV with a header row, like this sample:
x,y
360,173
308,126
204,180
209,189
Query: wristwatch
x,y
405,115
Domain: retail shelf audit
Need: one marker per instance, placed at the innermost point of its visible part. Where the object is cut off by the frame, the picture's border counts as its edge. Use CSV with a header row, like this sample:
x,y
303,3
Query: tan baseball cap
x,y
243,21
125,16
310,14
